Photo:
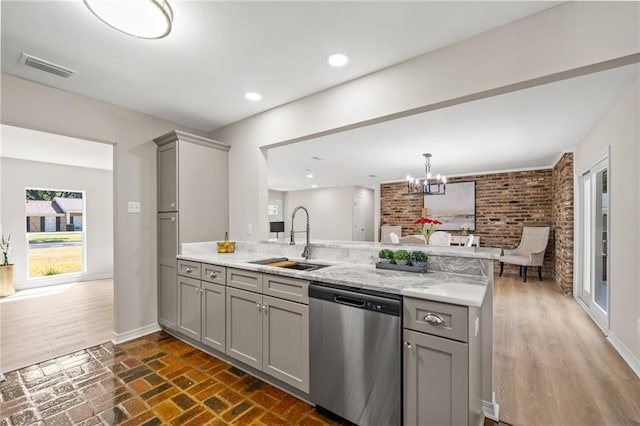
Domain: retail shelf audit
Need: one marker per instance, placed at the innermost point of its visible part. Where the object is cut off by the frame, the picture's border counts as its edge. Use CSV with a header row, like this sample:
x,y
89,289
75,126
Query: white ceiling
x,y
520,130
219,50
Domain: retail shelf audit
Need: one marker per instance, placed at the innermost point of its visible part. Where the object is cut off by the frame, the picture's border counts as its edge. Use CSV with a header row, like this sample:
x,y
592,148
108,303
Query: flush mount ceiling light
x,y
148,19
429,185
338,60
252,96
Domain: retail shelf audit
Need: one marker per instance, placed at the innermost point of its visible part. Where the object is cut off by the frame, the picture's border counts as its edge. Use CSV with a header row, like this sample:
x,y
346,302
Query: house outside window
x,y
55,232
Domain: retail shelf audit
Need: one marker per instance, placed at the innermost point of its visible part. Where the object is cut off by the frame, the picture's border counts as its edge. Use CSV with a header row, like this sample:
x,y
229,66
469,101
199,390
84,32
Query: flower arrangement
x,y
464,228
5,246
427,226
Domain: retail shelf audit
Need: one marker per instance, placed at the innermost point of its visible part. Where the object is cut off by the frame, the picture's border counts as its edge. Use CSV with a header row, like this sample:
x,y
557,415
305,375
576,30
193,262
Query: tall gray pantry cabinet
x,y
193,205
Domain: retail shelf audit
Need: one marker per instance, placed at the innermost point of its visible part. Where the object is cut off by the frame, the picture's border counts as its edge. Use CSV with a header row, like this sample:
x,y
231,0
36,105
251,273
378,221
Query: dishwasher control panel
x,y
368,300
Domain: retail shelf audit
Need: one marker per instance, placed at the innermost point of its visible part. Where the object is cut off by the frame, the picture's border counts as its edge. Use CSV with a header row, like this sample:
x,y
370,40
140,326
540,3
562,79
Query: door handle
x,y
433,319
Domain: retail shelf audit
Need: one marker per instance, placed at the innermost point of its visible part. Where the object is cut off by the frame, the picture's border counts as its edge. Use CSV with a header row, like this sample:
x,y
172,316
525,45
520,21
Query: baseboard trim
x,y
625,353
491,409
134,334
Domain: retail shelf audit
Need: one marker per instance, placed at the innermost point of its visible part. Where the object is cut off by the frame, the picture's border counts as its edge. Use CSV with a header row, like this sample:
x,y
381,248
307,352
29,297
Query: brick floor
x,y
153,380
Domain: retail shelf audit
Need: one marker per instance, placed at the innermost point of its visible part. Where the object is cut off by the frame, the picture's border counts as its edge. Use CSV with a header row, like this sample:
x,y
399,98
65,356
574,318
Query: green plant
x,y
418,256
401,255
385,254
51,271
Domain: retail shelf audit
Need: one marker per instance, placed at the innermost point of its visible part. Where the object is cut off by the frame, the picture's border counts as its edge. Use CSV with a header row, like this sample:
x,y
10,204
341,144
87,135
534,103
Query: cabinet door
x,y
189,319
244,326
168,178
213,315
435,380
167,287
286,341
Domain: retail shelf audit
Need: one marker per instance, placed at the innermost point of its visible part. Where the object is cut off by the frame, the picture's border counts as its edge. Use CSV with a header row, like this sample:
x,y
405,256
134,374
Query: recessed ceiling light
x,y
338,60
252,96
144,19
314,186
309,175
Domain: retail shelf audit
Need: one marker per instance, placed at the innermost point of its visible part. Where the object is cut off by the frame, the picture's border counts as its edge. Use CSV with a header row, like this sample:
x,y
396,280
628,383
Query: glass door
x,y
594,287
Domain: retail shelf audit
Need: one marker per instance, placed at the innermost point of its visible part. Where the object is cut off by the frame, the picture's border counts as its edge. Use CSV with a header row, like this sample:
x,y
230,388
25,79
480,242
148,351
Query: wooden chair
x,y
530,252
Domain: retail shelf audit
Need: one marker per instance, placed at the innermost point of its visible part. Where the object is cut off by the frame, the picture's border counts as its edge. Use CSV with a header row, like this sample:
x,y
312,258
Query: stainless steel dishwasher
x,y
356,354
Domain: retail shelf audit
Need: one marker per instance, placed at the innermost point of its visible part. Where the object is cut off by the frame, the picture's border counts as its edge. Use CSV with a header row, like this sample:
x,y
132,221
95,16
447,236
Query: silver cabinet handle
x,y
433,319
173,219
265,307
259,305
213,274
188,270
173,204
407,344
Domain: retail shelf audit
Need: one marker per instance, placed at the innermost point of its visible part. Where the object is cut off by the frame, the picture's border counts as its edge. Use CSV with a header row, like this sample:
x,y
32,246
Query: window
x,y
55,231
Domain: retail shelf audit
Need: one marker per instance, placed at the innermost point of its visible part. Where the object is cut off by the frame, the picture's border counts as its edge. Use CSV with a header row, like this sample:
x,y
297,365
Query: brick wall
x,y
562,222
505,202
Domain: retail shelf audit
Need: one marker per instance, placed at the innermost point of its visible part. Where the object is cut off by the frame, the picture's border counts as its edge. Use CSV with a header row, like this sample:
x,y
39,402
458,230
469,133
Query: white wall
x,y
98,221
619,129
557,43
35,106
330,211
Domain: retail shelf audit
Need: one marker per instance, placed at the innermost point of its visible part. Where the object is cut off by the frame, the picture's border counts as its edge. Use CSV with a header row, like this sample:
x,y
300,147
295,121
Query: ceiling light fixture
x,y
429,185
338,60
252,96
314,186
310,175
150,19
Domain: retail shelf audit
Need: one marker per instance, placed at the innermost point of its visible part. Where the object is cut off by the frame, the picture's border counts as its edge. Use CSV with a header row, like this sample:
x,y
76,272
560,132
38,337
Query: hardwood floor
x,y
552,364
36,329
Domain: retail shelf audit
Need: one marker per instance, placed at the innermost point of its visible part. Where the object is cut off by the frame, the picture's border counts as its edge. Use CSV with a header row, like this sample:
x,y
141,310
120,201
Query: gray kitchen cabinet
x,y
244,326
435,380
167,286
213,313
269,333
193,205
442,364
286,341
189,303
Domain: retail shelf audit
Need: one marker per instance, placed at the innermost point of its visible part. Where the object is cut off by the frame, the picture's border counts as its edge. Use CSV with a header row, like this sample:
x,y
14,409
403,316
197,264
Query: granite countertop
x,y
460,289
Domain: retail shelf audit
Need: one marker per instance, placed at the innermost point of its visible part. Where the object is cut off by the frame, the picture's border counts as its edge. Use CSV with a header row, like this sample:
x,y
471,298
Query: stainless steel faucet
x,y
306,253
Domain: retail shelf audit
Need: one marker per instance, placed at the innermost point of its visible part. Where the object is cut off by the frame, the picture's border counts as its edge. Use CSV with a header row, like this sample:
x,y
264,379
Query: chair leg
x,y
520,270
501,268
540,272
524,278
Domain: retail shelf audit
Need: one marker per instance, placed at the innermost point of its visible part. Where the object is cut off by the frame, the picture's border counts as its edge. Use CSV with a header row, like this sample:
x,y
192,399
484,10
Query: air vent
x,y
46,66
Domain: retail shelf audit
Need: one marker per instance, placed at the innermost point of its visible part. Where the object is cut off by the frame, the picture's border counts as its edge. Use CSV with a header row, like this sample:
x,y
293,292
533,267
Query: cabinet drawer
x,y
214,274
189,269
424,315
286,288
245,280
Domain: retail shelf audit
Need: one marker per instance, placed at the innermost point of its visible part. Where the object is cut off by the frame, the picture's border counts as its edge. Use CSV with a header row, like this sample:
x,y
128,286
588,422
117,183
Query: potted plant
x,y
401,257
6,269
427,226
385,255
418,258
464,228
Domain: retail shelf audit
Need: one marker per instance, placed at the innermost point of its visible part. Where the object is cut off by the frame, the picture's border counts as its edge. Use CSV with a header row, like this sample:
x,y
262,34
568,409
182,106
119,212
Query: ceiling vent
x,y
46,66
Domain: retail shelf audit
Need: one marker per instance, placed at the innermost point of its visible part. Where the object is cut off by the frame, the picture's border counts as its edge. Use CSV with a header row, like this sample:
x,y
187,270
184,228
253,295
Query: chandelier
x,y
428,185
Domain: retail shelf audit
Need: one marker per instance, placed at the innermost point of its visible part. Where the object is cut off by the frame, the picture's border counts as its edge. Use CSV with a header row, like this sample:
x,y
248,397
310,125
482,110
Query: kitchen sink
x,y
283,262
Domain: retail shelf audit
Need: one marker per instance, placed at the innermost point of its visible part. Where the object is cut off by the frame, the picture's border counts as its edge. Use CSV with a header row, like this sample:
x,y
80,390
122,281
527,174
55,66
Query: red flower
x,y
424,220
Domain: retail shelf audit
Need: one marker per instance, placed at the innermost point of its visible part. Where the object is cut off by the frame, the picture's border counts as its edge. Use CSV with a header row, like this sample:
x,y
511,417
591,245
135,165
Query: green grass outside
x,y
54,261
58,237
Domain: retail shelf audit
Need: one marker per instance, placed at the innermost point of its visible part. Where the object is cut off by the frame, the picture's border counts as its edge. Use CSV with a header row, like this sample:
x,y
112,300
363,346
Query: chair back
x,y
469,241
440,238
393,238
534,239
416,240
385,230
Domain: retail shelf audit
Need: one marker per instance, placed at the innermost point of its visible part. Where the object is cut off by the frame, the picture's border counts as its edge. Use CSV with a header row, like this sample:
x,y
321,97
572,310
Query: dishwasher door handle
x,y
351,301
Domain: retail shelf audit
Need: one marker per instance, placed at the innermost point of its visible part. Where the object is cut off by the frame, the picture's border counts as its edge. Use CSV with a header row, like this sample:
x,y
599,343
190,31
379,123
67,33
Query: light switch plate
x,y
133,207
